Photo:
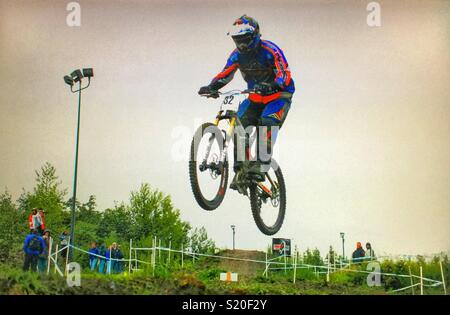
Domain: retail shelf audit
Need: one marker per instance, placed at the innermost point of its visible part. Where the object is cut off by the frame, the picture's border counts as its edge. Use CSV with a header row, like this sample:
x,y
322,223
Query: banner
x,y
281,246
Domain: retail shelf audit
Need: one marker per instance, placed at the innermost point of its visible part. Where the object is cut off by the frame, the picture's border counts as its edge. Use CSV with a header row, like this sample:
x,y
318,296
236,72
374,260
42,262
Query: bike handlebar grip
x,y
214,95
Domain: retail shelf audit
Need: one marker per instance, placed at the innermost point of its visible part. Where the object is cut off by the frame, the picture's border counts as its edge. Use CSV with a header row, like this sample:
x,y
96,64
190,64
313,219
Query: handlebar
x,y
228,93
234,92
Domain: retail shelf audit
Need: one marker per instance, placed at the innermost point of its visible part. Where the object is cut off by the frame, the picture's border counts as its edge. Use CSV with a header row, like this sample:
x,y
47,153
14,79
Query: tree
x,y
200,243
86,233
312,257
13,226
117,221
149,214
153,214
48,195
87,212
331,255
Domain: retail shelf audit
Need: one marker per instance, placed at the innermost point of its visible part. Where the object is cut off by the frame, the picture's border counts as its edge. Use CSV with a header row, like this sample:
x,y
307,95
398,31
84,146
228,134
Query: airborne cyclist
x,y
266,71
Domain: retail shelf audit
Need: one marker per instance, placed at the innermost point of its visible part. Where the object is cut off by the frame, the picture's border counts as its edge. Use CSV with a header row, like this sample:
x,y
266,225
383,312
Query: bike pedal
x,y
241,190
238,186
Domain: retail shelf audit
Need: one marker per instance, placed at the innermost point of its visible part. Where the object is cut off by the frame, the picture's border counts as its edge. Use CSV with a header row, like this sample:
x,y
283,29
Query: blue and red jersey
x,y
265,65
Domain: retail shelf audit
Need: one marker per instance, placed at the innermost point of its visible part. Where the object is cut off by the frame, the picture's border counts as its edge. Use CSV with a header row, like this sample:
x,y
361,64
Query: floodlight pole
x,y
233,228
75,177
343,250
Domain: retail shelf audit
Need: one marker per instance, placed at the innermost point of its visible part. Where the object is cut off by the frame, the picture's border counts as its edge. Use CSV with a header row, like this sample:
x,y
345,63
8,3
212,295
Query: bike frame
x,y
231,115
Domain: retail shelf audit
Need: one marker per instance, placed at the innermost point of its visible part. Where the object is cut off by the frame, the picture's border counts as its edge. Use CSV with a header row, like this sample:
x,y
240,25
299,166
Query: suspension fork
x,y
203,165
208,149
228,136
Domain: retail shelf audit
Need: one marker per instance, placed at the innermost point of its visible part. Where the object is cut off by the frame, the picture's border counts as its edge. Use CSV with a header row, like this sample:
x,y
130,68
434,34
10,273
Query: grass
x,y
203,278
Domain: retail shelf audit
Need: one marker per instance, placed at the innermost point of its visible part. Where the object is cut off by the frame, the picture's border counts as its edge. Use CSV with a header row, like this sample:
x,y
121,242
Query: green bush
x,y
13,224
211,273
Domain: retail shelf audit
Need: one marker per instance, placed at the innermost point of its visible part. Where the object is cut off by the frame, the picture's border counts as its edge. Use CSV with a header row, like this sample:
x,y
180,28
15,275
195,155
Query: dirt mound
x,y
240,266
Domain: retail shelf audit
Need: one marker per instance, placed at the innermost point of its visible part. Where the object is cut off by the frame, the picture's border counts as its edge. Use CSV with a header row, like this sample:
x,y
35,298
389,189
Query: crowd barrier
x,y
282,262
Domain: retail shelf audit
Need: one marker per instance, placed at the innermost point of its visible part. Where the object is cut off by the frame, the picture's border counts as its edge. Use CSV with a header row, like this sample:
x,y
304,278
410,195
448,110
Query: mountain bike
x,y
209,167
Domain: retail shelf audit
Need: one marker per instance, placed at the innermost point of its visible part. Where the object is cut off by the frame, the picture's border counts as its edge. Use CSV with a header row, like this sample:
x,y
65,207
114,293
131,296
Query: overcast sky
x,y
365,148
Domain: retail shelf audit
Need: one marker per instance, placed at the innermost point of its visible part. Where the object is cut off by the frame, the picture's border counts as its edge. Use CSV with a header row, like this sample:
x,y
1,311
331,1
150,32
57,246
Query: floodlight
x,y
77,75
88,72
68,80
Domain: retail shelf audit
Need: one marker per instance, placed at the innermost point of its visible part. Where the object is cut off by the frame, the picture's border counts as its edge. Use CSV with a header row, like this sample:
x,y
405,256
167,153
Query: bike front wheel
x,y
268,201
208,169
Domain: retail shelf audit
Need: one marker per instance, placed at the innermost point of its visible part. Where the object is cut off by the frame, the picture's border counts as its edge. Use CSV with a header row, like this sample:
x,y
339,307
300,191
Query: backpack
x,y
34,244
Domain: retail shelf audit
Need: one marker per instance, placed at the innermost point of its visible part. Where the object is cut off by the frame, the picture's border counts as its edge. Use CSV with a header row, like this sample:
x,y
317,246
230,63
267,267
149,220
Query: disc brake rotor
x,y
212,172
275,200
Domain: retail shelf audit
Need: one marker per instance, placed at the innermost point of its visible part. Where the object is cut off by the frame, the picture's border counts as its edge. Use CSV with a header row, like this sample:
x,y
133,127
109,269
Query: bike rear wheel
x,y
206,162
268,201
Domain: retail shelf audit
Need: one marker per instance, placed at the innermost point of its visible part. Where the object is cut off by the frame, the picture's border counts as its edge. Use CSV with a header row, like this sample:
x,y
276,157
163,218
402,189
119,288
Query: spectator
x,y
108,261
64,241
359,253
43,257
102,260
370,254
35,221
33,247
114,257
118,265
41,228
93,259
32,219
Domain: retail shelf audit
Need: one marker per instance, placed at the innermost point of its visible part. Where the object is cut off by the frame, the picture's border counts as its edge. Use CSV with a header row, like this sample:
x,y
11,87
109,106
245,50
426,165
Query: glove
x,y
208,91
266,88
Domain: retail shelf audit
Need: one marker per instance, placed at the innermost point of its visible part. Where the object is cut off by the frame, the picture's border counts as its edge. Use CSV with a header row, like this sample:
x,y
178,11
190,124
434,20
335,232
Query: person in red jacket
x,y
32,219
358,254
36,220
